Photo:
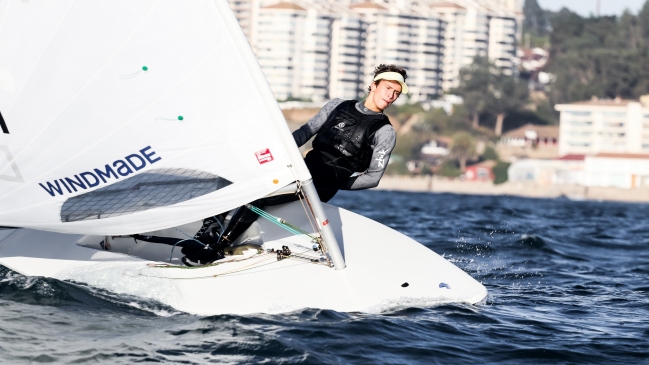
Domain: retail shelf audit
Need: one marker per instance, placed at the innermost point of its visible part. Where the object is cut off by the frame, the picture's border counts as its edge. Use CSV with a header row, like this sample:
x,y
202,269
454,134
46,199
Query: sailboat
x,y
128,117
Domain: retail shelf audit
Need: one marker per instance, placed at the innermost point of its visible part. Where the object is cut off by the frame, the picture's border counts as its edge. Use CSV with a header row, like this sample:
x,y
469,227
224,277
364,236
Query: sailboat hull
x,y
385,269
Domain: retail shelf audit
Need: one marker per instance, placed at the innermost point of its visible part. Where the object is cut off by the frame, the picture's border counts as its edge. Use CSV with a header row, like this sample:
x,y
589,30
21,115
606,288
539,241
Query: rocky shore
x,y
442,185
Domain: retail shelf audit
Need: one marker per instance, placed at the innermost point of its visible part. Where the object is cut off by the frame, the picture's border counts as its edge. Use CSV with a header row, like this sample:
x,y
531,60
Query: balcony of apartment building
x,y
348,62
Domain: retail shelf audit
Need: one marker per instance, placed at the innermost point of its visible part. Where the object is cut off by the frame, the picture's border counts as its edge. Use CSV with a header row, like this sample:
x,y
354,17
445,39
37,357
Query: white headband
x,y
393,76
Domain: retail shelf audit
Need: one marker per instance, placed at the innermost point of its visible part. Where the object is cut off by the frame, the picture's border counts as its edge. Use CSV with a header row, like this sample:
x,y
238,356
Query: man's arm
x,y
384,141
305,132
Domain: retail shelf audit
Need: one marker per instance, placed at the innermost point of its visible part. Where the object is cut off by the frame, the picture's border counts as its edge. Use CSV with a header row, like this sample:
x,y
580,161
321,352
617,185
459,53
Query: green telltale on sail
x,y
144,68
180,117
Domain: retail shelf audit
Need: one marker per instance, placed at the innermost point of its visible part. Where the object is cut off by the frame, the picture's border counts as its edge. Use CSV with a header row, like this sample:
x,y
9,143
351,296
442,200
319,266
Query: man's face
x,y
385,93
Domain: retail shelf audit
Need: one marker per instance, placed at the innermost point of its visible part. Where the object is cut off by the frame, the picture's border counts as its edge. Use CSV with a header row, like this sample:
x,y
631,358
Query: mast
x,y
328,236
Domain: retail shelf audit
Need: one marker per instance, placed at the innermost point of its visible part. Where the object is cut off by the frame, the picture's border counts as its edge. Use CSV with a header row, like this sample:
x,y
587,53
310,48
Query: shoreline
x,y
436,184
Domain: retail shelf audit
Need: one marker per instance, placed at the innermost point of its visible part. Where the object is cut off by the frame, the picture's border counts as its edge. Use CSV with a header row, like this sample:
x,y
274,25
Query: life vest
x,y
348,134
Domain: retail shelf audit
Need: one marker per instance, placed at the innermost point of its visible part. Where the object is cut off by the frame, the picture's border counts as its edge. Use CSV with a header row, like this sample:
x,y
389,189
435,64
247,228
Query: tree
x,y
490,154
506,94
474,102
500,172
536,19
643,21
437,121
630,33
475,80
599,56
463,148
486,88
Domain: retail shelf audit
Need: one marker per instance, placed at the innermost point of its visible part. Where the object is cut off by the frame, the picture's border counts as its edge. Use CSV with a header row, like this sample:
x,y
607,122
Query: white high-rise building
x,y
346,76
309,50
293,46
324,49
247,13
407,38
477,28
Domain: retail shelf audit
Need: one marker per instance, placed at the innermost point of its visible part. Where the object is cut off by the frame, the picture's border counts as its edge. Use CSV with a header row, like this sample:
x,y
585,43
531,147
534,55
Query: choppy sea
x,y
568,283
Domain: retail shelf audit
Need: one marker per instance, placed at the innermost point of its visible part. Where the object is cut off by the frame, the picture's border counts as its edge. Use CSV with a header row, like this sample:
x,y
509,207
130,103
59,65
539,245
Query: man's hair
x,y
387,68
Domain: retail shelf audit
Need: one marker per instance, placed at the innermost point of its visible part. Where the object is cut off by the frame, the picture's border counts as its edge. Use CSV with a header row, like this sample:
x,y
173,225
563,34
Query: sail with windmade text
x,y
124,116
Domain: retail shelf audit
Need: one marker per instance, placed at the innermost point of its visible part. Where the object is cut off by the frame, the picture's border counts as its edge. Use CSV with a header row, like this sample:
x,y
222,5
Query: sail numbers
x,y
3,125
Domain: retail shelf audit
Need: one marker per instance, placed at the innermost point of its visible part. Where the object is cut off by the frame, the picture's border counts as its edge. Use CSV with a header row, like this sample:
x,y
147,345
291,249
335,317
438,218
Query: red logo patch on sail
x,y
264,156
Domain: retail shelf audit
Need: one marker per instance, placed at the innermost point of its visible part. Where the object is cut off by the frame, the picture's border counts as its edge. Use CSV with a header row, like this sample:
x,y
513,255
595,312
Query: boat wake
x,y
44,291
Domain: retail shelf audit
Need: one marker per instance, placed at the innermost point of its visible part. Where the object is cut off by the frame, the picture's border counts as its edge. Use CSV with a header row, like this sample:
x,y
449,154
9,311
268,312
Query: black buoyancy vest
x,y
348,134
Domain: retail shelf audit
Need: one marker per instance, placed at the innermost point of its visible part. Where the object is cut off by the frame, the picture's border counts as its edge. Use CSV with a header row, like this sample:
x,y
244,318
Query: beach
x,y
436,184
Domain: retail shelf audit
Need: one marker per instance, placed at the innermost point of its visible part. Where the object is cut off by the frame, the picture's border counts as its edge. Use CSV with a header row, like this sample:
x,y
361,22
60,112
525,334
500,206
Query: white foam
x,y
122,278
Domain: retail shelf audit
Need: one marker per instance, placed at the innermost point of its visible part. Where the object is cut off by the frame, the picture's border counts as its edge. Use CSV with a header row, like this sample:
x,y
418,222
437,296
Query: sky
x,y
588,7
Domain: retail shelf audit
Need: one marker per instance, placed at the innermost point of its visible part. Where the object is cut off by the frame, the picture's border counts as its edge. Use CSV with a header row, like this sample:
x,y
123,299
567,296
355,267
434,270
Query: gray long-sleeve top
x,y
384,141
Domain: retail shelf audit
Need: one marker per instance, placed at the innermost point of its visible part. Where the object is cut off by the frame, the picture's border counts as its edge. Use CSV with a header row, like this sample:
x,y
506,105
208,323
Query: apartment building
x,y
477,28
324,49
407,38
293,43
347,52
247,13
604,126
310,50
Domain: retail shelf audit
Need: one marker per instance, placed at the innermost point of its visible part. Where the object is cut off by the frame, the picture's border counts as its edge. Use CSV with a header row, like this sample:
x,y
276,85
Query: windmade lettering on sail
x,y
91,179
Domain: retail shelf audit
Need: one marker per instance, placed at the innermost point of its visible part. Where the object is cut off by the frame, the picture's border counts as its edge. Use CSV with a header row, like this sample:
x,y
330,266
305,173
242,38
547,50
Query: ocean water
x,y
568,283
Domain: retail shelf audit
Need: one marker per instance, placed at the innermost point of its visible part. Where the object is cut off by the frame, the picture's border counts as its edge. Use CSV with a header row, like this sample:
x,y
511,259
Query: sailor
x,y
351,149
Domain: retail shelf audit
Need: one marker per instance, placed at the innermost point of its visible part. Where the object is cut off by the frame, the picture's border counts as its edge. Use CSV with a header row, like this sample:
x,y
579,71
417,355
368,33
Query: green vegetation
x,y
292,98
409,145
500,172
487,89
604,56
438,122
463,148
397,168
490,154
449,169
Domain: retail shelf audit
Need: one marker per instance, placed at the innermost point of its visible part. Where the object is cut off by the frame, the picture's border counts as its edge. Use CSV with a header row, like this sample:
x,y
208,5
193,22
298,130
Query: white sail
x,y
123,116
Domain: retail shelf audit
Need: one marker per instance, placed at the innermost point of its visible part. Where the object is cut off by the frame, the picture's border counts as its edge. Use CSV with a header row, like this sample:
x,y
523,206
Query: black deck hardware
x,y
283,253
405,285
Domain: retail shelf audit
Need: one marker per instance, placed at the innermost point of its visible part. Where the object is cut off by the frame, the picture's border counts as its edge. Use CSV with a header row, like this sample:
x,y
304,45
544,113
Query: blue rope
x,y
278,221
174,246
222,229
